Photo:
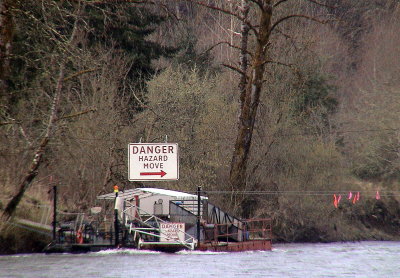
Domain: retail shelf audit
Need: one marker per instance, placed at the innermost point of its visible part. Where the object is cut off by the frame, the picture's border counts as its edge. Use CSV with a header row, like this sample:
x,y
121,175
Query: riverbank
x,y
369,220
14,240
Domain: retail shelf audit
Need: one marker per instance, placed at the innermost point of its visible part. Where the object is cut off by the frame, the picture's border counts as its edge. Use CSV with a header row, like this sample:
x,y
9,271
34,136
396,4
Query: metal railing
x,y
150,227
251,229
190,205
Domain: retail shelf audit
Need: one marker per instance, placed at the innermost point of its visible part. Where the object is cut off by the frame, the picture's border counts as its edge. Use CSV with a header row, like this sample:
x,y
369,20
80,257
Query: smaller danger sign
x,y
172,232
153,161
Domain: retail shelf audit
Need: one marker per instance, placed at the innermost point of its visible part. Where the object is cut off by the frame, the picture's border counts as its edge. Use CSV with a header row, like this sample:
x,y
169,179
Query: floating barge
x,y
160,220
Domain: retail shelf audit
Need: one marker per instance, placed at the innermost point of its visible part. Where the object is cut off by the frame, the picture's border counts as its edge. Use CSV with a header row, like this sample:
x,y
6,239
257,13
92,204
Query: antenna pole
x,y
198,214
54,211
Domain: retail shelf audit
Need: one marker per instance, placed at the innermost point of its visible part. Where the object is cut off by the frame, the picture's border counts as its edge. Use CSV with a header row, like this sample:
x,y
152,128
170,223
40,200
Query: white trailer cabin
x,y
154,201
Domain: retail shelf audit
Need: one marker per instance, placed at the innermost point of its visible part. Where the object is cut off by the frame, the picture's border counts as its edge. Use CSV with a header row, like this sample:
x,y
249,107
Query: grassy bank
x,y
368,220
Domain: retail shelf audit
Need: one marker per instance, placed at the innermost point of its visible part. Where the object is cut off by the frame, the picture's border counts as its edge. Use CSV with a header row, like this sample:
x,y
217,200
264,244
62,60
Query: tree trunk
x,y
6,35
243,59
51,126
250,98
33,169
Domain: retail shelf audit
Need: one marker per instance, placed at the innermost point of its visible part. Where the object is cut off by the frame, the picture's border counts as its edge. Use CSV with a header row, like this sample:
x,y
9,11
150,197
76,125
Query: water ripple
x,y
353,259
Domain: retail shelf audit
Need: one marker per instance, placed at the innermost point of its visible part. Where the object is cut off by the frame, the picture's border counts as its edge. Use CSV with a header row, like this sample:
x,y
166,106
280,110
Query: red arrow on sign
x,y
162,173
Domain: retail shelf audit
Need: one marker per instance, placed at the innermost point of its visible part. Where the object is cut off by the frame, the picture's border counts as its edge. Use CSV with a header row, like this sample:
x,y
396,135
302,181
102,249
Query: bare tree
x,y
59,89
259,20
50,129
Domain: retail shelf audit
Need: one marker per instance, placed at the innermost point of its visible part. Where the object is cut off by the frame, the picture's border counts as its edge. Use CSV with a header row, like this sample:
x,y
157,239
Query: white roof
x,y
146,192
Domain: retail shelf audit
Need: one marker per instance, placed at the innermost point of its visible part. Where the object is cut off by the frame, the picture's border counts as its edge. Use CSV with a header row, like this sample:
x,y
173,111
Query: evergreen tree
x,y
126,28
190,59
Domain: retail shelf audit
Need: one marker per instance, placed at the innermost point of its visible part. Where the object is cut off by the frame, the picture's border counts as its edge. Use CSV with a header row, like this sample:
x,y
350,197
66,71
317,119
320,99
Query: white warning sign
x,y
172,232
149,161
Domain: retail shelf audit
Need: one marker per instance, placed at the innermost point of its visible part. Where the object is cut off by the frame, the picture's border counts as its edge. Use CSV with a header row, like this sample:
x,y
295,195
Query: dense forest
x,y
278,106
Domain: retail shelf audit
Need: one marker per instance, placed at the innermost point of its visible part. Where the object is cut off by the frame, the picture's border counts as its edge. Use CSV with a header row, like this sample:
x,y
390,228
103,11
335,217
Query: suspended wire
x,y
384,193
29,229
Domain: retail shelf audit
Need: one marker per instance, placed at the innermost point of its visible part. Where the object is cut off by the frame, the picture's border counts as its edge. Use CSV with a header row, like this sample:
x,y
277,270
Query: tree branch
x,y
278,63
200,3
27,180
291,40
212,7
312,1
229,44
321,4
79,73
296,16
243,59
252,28
78,114
258,3
15,122
235,69
38,156
8,123
279,3
151,2
142,104
22,130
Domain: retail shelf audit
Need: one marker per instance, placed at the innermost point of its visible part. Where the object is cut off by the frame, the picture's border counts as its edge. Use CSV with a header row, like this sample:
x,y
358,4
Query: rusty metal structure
x,y
158,219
